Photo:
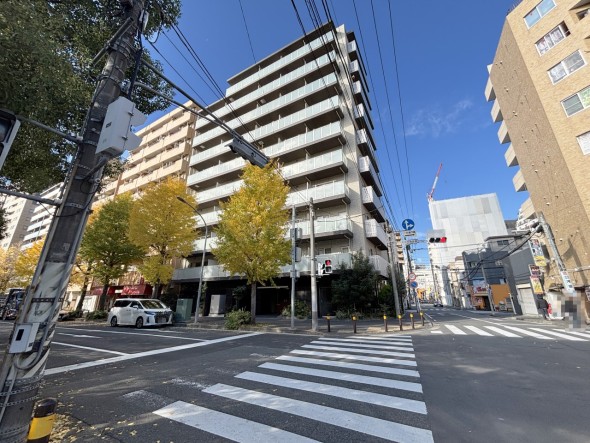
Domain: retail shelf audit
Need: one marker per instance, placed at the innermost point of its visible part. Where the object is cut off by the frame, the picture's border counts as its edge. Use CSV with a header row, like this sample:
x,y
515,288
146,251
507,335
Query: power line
x,y
247,32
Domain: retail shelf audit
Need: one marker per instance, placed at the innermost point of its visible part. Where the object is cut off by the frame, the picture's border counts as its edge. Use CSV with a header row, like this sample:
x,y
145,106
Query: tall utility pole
x,y
314,265
26,355
393,267
293,269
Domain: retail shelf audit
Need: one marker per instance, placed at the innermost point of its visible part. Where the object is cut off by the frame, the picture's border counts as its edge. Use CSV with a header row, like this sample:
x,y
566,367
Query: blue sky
x,y
442,51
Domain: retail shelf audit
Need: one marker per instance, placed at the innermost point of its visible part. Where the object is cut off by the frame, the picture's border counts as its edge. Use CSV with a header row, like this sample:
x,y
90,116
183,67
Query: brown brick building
x,y
540,81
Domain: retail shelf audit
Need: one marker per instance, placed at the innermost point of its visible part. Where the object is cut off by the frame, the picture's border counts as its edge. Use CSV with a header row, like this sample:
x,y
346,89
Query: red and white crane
x,y
430,195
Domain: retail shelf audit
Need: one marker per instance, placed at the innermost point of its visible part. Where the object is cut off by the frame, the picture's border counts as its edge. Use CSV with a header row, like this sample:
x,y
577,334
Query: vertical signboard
x,y
537,251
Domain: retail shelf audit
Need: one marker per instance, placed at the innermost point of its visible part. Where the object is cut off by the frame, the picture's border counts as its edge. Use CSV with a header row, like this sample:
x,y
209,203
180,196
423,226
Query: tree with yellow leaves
x,y
251,229
26,263
164,227
8,258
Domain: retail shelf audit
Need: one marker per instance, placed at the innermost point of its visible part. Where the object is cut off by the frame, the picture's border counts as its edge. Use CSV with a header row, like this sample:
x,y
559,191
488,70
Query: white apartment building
x,y
17,212
41,217
306,104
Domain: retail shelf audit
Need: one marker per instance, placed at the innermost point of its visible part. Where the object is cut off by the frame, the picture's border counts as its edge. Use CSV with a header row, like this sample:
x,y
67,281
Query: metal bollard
x,y
385,320
422,317
42,422
401,327
354,324
328,320
412,319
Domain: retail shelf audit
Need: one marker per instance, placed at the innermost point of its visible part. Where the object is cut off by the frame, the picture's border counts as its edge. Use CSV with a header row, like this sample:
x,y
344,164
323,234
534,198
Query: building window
x,y
540,10
565,67
577,102
584,142
552,38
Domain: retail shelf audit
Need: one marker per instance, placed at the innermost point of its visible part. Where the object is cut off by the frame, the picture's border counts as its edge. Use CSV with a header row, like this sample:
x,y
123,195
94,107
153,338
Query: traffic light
x,y
321,269
328,266
8,128
437,240
116,135
248,152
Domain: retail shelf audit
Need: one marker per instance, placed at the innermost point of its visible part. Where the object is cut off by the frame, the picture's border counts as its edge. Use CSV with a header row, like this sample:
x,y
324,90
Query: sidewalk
x,y
279,324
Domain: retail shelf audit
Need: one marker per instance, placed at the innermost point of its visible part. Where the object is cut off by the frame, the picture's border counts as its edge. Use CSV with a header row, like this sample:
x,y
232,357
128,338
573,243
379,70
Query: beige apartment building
x,y
540,81
17,213
164,152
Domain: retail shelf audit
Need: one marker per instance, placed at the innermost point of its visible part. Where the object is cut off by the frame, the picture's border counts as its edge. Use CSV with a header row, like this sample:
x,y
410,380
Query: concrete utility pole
x,y
27,353
393,267
293,269
314,265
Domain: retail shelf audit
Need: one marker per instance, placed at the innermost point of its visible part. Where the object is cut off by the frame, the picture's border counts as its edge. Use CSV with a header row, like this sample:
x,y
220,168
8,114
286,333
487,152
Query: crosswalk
x,y
514,332
337,389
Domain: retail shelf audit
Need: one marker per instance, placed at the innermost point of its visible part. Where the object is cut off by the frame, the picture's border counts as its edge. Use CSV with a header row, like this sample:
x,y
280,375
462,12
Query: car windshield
x,y
153,304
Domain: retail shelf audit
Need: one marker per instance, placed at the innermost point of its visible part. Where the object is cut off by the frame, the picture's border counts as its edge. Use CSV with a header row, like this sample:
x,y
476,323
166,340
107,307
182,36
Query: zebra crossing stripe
x,y
404,338
377,342
387,401
361,345
343,364
349,420
345,376
530,333
225,425
502,331
362,351
365,358
455,330
557,334
479,331
581,334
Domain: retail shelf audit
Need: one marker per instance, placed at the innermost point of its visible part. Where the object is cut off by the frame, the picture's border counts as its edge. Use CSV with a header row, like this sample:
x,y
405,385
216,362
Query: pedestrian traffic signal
x,y
437,240
328,266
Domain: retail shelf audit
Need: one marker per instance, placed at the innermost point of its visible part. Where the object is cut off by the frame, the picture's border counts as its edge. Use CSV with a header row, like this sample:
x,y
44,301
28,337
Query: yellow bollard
x,y
328,319
354,324
401,327
42,422
385,320
412,319
422,317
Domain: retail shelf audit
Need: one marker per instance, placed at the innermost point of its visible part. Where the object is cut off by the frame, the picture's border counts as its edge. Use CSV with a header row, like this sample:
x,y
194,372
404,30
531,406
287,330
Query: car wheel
x,y
114,322
139,322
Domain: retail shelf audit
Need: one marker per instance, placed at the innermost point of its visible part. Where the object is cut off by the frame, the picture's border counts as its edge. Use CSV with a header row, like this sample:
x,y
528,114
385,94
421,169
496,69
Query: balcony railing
x,y
371,200
374,230
333,189
320,161
219,191
518,181
368,172
233,165
503,135
510,156
304,139
327,225
380,264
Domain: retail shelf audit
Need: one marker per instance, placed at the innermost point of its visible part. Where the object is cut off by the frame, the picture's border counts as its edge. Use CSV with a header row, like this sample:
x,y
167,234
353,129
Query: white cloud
x,y
435,121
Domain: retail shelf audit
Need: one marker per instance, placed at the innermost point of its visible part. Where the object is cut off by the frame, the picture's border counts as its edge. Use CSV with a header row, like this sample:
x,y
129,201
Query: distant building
x,y
540,84
41,217
17,215
465,222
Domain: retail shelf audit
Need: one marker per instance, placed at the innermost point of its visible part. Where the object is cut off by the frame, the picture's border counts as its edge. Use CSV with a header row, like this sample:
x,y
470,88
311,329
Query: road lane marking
x,y
125,357
385,337
436,332
137,333
581,334
455,330
347,365
526,332
502,331
329,342
89,348
365,344
557,334
225,425
479,331
361,351
78,335
348,420
345,376
393,361
388,401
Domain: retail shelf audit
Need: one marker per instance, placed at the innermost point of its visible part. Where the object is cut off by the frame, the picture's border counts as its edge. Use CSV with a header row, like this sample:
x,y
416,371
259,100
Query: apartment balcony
x,y
354,66
380,264
362,116
503,135
369,173
489,92
206,197
372,202
207,155
351,47
375,232
200,243
360,94
327,228
316,168
510,156
518,181
323,195
496,112
167,155
366,145
211,218
222,172
527,210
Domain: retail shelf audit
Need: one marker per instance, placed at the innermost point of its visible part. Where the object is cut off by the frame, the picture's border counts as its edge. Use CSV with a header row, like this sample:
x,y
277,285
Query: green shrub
x,y
235,319
342,314
97,315
302,310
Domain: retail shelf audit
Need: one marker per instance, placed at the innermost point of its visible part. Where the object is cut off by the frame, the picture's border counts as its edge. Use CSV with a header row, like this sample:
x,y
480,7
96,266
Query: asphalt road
x,y
470,378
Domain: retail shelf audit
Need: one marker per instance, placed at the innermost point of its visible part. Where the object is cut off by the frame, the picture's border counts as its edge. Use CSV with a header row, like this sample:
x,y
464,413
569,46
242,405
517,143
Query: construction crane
x,y
430,195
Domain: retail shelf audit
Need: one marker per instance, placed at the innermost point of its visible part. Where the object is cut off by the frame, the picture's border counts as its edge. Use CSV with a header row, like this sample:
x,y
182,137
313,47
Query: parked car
x,y
437,305
140,312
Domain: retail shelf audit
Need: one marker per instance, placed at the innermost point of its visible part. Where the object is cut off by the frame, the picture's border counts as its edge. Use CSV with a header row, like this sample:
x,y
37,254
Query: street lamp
x,y
202,257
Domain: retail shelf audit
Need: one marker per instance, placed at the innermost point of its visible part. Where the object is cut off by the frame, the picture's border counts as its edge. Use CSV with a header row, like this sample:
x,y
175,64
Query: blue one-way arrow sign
x,y
408,224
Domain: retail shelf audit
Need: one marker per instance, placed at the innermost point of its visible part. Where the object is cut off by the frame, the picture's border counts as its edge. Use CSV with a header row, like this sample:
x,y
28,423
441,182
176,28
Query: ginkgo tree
x,y
8,258
251,229
106,243
26,263
164,227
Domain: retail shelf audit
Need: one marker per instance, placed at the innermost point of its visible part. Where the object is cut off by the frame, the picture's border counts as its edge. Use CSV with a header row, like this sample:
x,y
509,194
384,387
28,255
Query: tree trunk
x,y
83,293
103,297
253,302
